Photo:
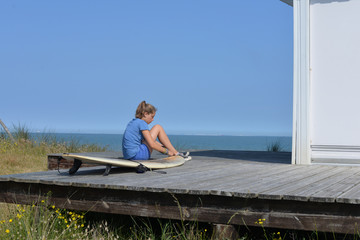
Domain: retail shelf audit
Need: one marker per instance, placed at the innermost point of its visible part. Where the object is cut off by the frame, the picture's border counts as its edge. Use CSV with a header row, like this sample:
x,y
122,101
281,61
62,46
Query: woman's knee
x,y
157,128
155,131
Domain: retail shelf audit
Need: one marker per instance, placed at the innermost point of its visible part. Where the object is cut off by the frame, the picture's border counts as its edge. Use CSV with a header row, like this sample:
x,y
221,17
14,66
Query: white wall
x,y
335,80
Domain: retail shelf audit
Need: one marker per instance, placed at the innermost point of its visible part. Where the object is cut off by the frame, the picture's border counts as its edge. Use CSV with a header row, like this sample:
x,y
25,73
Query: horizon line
x,y
172,134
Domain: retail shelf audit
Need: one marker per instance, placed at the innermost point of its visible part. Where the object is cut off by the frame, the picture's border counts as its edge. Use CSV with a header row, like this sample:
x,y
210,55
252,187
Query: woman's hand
x,y
170,153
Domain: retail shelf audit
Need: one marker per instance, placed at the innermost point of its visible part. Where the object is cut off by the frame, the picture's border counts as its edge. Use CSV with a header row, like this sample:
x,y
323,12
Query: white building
x,y
326,119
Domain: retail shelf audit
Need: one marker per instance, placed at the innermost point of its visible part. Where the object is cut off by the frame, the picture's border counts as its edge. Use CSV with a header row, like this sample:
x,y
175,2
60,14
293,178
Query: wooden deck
x,y
226,187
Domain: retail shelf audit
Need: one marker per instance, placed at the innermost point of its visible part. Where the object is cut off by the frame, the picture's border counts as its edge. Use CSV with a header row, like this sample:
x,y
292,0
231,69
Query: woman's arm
x,y
155,145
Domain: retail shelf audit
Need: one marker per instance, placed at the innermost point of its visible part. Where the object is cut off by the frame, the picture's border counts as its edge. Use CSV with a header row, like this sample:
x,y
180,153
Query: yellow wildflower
x,y
10,220
7,231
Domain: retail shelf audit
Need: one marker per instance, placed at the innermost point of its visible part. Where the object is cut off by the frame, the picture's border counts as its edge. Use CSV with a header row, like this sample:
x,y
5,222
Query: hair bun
x,y
144,107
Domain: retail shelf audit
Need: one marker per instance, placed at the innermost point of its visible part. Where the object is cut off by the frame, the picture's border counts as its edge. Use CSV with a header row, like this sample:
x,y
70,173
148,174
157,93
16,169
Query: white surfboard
x,y
161,163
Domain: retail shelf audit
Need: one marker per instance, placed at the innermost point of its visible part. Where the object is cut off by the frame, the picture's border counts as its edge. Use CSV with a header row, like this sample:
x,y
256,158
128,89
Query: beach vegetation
x,y
29,154
43,220
275,146
21,131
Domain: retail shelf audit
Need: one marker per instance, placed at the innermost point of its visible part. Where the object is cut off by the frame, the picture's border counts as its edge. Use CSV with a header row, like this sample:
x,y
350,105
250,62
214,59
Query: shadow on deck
x,y
246,156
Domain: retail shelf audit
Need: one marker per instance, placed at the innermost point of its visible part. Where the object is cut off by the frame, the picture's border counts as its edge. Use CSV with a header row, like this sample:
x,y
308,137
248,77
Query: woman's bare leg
x,y
158,132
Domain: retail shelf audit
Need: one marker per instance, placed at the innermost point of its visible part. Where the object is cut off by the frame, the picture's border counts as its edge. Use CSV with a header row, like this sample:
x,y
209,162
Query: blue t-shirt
x,y
133,137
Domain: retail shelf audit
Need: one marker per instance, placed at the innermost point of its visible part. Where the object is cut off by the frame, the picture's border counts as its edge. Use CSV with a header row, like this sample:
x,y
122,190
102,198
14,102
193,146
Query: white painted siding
x,y
335,79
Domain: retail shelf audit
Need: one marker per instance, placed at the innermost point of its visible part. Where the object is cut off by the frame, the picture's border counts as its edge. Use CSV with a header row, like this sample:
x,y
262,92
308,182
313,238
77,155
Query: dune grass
x,y
27,154
275,146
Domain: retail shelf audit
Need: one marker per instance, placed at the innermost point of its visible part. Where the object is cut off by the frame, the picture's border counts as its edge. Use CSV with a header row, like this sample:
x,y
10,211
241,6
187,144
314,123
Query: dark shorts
x,y
143,153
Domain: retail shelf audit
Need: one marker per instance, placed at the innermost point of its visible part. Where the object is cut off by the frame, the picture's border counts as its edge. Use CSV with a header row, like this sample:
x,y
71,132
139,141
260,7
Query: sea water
x,y
184,142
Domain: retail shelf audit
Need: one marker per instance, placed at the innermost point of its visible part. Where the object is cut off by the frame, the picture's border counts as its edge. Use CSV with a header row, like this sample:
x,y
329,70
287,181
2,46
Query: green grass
x,y
45,221
29,155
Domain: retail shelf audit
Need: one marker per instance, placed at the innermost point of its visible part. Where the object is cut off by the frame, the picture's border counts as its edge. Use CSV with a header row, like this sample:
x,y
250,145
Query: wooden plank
x,y
4,178
63,180
292,183
243,170
240,185
300,181
304,194
175,175
194,183
85,178
48,177
338,185
271,181
31,177
92,177
351,196
195,175
223,186
193,180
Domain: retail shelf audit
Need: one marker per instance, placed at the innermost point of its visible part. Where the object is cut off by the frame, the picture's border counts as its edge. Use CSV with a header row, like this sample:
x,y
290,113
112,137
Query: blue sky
x,y
210,67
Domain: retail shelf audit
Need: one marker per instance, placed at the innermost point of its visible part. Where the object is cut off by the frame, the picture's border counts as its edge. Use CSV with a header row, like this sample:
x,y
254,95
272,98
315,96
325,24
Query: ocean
x,y
185,142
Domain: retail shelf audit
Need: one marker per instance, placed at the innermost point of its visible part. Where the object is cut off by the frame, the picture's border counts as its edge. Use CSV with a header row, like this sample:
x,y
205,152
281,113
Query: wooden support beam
x,y
297,215
7,130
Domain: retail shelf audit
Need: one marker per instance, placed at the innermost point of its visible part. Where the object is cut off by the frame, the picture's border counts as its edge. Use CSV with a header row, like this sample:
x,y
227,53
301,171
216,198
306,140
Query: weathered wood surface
x,y
216,186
